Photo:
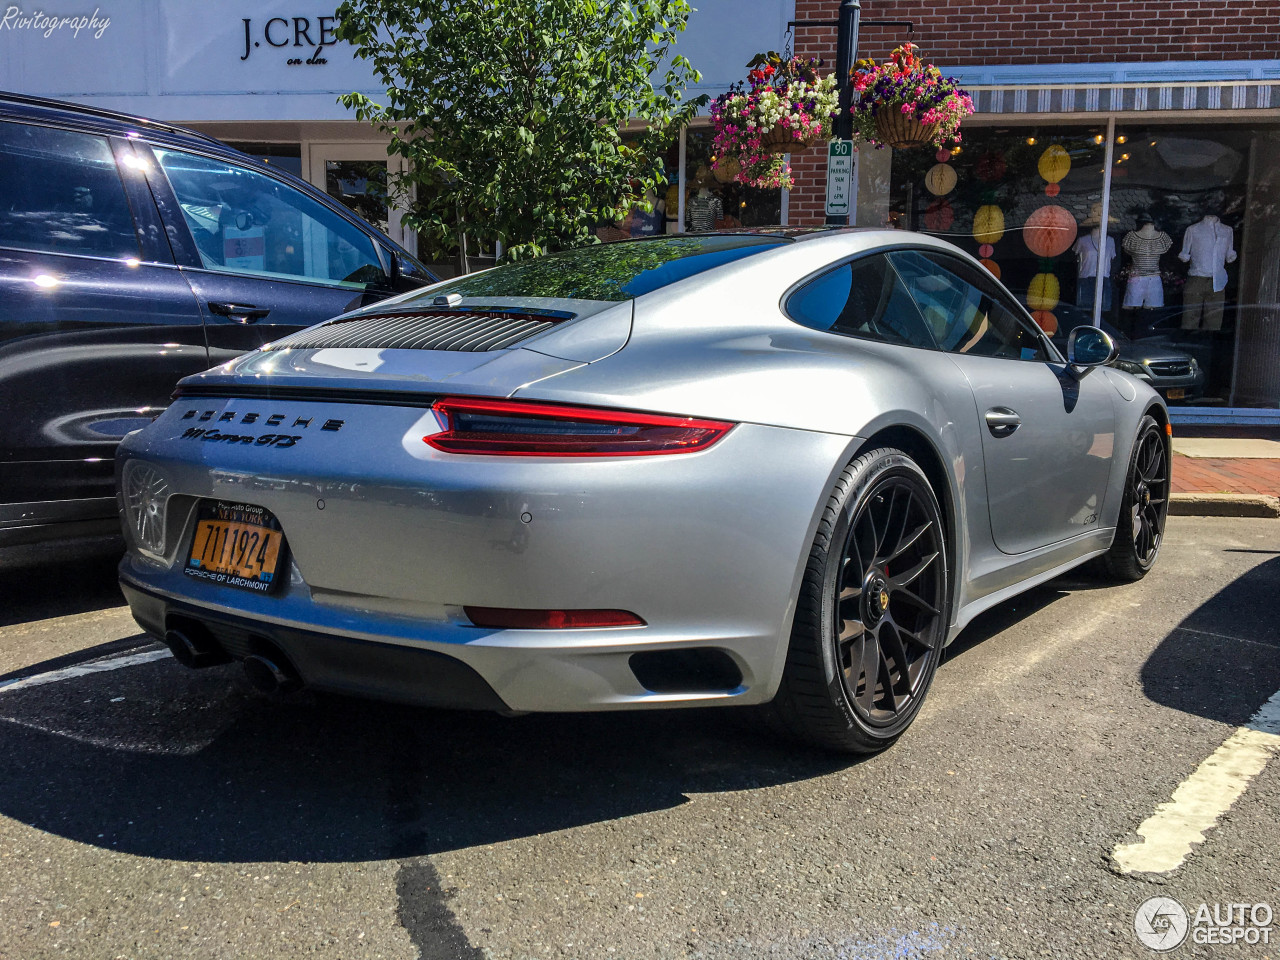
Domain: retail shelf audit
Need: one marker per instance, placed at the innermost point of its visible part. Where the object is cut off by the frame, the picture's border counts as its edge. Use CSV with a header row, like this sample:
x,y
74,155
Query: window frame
x,y
796,287
186,253
142,250
989,286
992,289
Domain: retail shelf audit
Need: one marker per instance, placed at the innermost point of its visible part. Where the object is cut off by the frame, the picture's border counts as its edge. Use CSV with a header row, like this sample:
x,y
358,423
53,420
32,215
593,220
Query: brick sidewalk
x,y
1235,475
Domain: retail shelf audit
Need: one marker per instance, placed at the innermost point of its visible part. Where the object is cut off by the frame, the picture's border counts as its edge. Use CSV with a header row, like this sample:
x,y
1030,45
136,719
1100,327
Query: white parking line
x,y
1203,797
81,670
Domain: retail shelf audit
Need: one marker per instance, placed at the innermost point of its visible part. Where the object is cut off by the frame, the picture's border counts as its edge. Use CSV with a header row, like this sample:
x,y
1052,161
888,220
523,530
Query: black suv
x,y
133,253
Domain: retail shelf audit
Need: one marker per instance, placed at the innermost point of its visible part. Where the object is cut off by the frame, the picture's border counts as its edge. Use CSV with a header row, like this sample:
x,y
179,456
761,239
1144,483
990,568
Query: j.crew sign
x,y
295,32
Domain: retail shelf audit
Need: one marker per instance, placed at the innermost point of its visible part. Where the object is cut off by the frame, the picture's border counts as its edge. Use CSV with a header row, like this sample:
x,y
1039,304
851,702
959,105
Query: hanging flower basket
x,y
725,169
785,106
905,102
903,131
783,140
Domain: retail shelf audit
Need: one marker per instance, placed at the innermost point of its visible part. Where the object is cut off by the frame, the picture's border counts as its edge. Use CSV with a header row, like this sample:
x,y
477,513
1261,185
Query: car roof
x,y
24,106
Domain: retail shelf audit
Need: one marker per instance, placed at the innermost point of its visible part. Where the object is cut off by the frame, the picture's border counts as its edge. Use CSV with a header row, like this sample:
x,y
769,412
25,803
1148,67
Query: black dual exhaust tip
x,y
269,675
194,645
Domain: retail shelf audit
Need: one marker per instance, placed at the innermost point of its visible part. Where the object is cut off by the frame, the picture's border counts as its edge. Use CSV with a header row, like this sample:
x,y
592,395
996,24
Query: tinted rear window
x,y
612,271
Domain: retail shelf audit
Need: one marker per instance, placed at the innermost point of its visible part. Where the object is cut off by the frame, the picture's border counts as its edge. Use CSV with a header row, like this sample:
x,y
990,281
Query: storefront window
x,y
712,204
1190,256
662,217
286,156
1025,201
1202,200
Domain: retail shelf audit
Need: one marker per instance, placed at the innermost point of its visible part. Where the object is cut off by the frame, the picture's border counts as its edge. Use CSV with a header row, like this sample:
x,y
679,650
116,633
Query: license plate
x,y
236,544
1176,393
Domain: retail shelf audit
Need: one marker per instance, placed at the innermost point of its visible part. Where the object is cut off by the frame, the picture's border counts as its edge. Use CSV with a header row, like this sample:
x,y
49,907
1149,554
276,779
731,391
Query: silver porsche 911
x,y
738,468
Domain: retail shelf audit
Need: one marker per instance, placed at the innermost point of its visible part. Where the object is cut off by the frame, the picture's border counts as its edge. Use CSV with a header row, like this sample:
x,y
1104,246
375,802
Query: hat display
x,y
1095,217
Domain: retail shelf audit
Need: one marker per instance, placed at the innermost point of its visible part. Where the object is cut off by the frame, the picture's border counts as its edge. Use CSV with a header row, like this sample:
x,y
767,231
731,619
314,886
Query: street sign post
x,y
840,168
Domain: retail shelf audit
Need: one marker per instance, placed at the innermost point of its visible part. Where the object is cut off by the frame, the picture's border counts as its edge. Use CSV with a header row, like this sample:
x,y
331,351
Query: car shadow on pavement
x,y
59,579
160,761
1223,660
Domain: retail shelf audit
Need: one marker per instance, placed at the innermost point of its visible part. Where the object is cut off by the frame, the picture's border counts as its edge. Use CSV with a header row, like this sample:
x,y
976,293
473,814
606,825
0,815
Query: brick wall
x,y
957,33
969,33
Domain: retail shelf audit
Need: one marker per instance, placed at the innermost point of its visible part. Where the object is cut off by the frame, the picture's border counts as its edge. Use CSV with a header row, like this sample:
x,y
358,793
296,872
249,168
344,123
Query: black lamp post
x,y
848,21
847,24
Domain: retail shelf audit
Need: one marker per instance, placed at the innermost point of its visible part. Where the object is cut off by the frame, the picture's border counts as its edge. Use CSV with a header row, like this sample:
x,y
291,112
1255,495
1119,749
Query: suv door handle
x,y
1002,421
239,312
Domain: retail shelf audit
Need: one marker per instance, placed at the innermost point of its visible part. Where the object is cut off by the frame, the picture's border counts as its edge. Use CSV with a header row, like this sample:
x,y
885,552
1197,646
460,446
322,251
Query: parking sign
x,y
841,158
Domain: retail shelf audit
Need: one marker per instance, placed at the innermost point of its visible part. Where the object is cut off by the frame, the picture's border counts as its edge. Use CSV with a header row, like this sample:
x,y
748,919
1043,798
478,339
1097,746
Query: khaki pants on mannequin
x,y
1201,307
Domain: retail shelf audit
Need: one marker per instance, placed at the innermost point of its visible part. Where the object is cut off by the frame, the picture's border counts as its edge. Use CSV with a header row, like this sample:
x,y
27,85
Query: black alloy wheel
x,y
1144,508
888,614
871,619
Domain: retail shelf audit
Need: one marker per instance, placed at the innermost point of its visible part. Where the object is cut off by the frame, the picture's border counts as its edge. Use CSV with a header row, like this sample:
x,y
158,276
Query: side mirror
x,y
404,277
1089,347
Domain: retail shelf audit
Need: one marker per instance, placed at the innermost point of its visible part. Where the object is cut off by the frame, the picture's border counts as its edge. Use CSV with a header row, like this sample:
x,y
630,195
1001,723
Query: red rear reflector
x,y
514,619
517,428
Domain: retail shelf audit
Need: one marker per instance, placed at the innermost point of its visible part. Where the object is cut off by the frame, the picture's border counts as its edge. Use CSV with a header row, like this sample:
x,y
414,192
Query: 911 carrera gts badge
x,y
217,436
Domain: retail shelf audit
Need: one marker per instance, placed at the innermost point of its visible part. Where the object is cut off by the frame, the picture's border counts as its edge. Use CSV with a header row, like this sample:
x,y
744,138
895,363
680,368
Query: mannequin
x,y
1144,246
1208,247
1086,249
704,210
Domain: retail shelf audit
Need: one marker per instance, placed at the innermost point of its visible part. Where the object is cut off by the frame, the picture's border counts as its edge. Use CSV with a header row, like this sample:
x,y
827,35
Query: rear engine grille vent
x,y
473,332
1169,368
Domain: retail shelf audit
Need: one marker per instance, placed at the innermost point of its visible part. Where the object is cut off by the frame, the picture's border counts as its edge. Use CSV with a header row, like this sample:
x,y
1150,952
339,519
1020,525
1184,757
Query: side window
x,y
963,310
61,193
246,222
865,299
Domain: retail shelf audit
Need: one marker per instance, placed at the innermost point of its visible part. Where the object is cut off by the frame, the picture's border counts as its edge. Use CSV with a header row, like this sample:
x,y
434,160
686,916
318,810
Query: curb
x,y
1223,505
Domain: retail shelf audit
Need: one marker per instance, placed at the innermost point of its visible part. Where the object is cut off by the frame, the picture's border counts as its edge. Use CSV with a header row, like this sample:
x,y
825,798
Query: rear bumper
x,y
361,668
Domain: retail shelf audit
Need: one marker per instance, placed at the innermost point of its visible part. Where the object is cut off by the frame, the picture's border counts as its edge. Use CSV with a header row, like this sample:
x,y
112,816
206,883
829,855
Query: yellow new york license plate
x,y
236,544
1177,393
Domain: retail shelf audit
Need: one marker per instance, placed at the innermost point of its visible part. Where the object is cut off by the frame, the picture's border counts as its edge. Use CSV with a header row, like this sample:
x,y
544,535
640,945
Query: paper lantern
x,y
1046,320
939,216
1043,292
1055,163
943,155
991,167
941,179
992,267
1050,231
1053,189
988,224
986,250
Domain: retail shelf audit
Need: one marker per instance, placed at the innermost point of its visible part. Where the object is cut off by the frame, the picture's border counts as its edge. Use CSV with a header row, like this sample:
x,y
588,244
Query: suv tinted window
x,y
246,222
61,192
864,298
963,309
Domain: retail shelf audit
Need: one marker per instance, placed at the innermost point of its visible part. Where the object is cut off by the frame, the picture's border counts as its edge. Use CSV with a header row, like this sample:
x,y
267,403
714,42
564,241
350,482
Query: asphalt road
x,y
151,811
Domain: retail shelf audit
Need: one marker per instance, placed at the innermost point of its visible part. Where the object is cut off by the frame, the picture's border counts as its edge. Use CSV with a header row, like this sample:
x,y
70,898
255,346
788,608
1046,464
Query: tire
x,y
867,636
1143,509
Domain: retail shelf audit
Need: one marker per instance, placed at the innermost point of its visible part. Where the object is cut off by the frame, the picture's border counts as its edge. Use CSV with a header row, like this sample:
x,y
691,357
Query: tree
x,y
509,112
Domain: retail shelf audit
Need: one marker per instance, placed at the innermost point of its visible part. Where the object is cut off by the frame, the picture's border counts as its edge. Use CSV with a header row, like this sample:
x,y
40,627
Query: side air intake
x,y
462,330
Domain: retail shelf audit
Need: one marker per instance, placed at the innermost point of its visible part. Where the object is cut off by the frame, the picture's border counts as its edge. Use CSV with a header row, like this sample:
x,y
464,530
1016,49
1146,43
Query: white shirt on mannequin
x,y
1208,246
1086,249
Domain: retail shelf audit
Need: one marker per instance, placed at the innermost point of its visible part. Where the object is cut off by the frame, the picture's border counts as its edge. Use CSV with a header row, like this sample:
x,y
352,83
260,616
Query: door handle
x,y
239,312
1002,421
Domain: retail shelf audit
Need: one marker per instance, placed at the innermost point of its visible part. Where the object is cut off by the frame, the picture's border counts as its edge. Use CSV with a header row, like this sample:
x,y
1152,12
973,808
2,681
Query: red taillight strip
x,y
510,618
654,434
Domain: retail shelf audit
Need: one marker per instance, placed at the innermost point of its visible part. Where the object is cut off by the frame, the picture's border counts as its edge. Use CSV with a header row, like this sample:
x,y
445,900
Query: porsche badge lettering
x,y
211,435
